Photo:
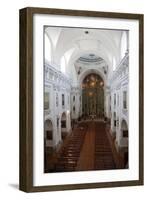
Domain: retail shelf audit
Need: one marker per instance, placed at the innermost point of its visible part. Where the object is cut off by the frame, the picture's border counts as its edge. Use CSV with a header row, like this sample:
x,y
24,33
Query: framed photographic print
x,y
81,99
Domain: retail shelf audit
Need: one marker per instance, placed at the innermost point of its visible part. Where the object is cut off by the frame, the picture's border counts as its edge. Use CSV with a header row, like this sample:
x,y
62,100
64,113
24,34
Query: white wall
x,y
9,120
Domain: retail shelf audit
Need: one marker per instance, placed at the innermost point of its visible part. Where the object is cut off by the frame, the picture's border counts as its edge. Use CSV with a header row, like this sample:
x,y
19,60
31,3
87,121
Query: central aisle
x,y
86,159
87,148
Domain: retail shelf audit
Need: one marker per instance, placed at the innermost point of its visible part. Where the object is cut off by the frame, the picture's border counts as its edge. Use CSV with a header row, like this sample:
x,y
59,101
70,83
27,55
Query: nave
x,y
86,78
86,148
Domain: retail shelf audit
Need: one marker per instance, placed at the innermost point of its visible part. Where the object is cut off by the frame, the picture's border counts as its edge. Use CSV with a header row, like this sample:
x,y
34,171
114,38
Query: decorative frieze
x,y
56,78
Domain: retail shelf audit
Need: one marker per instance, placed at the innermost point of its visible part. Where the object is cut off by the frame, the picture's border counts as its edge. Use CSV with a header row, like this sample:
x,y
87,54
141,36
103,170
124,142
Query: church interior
x,y
86,100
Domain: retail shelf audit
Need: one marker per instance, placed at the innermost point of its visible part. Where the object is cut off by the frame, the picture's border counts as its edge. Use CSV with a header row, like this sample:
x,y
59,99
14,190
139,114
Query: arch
x,y
89,71
63,125
63,116
79,53
101,75
93,96
76,54
48,129
101,38
124,128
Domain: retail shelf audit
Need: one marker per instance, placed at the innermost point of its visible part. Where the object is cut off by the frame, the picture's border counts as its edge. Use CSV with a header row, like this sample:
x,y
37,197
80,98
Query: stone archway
x,y
124,128
48,128
93,96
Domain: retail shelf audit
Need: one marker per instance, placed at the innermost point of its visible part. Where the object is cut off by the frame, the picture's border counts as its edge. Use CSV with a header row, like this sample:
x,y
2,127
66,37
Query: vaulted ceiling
x,y
81,47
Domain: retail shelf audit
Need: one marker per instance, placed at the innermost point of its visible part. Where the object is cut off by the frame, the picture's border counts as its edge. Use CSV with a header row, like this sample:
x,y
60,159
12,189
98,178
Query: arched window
x,y
48,130
63,120
63,65
124,128
47,45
